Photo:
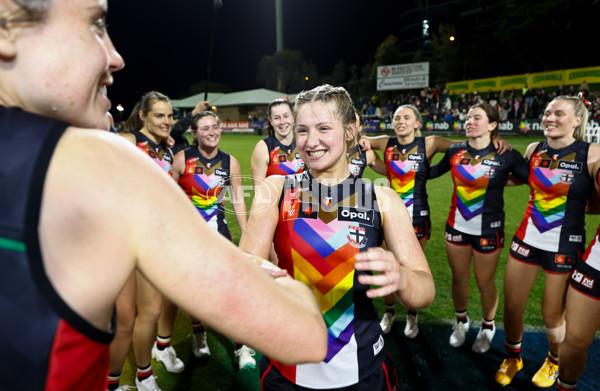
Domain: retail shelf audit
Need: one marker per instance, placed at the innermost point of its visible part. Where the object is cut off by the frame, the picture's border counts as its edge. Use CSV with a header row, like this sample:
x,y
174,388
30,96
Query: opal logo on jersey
x,y
221,172
357,236
359,162
416,157
571,166
492,163
514,246
355,215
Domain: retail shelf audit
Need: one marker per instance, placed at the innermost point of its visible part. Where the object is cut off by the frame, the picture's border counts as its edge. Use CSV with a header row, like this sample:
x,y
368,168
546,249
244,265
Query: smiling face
x,y
560,120
158,122
63,64
321,139
477,124
208,134
281,120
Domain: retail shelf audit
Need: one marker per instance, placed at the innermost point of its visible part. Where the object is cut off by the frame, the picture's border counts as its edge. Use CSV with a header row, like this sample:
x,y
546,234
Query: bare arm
x,y
376,163
435,144
259,162
402,269
110,227
178,165
257,237
237,199
378,142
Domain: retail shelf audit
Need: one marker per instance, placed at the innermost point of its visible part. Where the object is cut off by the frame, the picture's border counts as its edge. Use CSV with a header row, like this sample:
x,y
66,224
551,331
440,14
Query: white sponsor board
x,y
403,76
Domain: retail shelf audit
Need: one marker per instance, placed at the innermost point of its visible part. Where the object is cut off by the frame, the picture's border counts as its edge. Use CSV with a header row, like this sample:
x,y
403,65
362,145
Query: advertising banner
x,y
403,76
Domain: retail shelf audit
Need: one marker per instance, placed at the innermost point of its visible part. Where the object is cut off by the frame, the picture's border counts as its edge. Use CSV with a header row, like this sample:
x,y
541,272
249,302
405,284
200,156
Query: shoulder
x,y
531,148
129,137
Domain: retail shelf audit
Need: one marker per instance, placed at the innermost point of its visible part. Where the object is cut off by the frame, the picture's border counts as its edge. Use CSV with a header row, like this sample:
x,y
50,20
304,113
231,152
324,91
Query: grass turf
x,y
218,373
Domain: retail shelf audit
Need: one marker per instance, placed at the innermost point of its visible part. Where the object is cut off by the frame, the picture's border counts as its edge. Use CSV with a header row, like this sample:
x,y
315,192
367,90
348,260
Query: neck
x,y
558,143
406,139
207,152
287,140
332,176
479,142
156,140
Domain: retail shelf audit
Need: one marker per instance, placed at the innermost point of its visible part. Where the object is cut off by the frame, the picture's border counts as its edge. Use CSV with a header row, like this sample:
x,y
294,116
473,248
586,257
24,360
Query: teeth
x,y
103,90
316,153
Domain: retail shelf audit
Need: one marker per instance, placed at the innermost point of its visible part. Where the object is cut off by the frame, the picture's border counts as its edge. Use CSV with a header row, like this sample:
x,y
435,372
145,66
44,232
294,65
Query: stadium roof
x,y
260,96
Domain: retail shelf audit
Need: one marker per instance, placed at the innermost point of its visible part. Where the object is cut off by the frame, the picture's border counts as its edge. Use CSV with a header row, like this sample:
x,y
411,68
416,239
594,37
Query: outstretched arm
x,y
402,270
110,227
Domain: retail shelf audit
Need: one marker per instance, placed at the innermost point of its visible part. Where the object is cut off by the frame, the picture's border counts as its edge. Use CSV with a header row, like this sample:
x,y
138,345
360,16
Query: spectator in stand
x,y
572,91
584,88
529,96
560,90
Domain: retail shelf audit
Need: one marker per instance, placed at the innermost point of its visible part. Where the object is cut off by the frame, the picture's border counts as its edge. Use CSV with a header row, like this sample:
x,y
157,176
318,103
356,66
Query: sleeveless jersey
x,y
283,159
204,181
407,168
357,162
159,153
45,345
560,185
319,232
479,177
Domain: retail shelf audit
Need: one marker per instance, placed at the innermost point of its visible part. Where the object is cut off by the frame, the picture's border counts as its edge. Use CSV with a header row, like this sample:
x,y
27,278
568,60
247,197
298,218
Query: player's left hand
x,y
384,263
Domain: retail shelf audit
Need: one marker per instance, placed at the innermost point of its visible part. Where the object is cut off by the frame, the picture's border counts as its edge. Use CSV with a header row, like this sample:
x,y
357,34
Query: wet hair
x,y
417,114
197,117
344,111
134,123
276,102
580,111
491,113
29,11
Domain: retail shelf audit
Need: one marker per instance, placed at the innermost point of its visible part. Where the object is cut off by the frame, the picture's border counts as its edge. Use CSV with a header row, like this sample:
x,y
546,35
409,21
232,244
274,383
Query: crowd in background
x,y
516,104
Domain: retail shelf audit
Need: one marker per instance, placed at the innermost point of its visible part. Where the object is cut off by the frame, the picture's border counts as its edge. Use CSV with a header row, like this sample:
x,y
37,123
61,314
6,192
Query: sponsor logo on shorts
x,y
356,215
496,224
583,279
377,346
424,213
575,238
514,246
453,238
562,260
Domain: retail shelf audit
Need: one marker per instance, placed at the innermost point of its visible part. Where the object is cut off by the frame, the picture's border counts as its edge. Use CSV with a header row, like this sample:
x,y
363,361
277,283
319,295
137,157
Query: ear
x,y
142,116
351,131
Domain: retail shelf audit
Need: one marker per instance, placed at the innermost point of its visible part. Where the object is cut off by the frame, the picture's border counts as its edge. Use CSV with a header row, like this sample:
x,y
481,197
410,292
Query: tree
x,y
288,68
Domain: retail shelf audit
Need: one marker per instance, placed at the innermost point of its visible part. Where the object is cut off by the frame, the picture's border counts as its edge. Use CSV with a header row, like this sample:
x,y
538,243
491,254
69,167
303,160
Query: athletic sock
x,y
391,308
163,342
413,313
553,358
565,386
144,373
113,381
513,349
198,327
461,316
487,324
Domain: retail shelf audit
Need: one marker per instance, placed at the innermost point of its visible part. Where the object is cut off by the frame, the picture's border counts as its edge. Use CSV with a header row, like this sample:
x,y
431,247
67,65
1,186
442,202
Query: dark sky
x,y
166,43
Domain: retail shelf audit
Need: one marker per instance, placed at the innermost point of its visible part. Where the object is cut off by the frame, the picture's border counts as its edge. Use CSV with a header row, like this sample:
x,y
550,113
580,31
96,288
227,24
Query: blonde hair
x,y
580,111
344,111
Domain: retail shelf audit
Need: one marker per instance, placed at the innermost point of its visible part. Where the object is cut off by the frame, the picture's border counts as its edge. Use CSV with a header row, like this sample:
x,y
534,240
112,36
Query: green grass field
x,y
218,372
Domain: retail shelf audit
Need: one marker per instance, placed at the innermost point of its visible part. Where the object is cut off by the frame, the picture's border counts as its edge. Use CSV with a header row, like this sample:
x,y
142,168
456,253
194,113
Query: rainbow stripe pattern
x,y
203,187
284,162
